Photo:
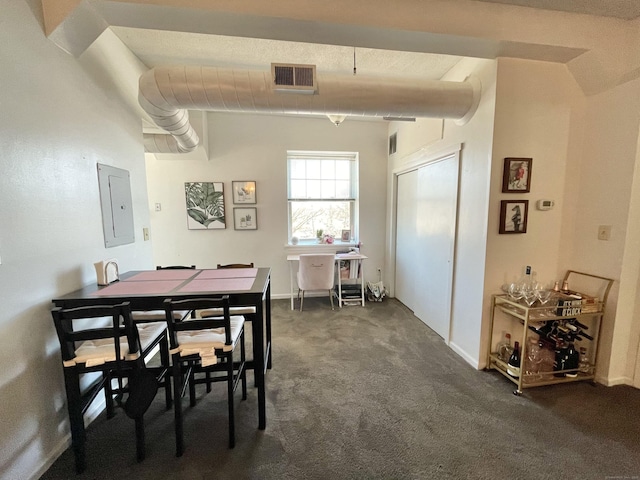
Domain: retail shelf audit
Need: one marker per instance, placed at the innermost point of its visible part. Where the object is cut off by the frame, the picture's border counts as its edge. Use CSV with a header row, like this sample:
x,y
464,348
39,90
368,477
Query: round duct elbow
x,y
164,143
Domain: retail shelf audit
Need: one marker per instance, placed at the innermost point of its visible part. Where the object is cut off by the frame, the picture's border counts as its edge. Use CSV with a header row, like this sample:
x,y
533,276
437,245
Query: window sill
x,y
313,246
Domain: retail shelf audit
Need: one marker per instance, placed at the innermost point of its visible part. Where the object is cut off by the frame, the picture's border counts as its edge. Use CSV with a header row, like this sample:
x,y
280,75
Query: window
x,y
322,194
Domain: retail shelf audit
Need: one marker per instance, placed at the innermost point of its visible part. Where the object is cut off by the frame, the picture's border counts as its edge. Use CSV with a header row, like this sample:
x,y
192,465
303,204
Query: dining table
x,y
148,289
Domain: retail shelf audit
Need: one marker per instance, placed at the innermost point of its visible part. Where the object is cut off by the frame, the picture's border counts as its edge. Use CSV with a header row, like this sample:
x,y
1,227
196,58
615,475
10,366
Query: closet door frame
x,y
413,162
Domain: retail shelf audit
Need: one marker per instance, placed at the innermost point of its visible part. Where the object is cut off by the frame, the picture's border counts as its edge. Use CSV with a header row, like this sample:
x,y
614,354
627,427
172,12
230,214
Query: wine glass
x,y
543,294
515,291
529,295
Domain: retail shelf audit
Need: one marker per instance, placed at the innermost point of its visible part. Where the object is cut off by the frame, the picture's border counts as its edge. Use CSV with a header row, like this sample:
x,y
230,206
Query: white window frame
x,y
353,199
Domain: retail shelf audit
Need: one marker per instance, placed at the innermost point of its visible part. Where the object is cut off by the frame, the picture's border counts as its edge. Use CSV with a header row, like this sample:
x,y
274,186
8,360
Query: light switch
x,y
145,234
158,207
604,232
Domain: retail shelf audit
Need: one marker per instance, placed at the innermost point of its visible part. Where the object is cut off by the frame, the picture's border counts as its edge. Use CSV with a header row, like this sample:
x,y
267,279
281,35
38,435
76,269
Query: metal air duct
x,y
167,92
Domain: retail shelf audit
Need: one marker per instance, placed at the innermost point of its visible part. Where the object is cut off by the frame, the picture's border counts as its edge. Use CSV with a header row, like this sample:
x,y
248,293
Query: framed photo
x,y
513,216
346,235
244,191
245,218
516,177
205,205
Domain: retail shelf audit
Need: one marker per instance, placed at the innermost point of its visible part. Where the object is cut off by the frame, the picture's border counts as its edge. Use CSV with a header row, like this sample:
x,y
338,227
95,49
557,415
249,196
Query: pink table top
x,y
168,274
228,273
138,288
218,285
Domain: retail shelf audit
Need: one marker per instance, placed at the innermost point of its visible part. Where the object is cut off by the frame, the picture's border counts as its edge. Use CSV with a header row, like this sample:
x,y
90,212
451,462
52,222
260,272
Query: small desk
x,y
339,256
148,289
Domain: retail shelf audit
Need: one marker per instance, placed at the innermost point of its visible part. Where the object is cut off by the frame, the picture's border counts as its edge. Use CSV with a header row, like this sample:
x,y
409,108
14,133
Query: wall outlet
x,y
604,232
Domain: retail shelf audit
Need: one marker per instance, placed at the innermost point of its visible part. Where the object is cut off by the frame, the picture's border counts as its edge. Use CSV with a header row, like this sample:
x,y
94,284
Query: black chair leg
x,y
76,420
270,346
164,357
177,405
140,445
243,357
108,394
192,385
232,423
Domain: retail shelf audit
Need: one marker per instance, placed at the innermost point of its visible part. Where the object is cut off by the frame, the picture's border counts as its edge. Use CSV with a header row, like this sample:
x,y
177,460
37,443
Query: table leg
x,y
258,357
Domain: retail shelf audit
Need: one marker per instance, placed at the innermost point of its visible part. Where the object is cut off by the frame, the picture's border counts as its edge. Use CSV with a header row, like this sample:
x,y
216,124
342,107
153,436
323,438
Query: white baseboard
x,y
611,382
97,407
467,358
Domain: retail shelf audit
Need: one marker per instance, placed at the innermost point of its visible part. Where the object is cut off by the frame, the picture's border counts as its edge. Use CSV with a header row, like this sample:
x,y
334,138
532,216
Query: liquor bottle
x,y
532,360
504,348
572,360
561,359
513,365
584,366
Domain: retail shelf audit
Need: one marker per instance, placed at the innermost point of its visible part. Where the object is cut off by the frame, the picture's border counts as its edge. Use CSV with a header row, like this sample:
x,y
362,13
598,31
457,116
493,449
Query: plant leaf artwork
x,y
205,205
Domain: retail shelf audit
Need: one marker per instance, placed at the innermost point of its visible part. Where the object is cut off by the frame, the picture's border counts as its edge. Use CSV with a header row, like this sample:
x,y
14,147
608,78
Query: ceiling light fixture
x,y
336,119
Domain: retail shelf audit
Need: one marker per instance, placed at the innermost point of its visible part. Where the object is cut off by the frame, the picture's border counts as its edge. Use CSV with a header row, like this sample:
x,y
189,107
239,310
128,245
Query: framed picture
x,y
244,191
516,177
346,235
245,218
513,216
205,205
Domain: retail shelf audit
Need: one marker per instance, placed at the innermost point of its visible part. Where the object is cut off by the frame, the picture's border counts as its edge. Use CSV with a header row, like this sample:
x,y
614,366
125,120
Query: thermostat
x,y
544,204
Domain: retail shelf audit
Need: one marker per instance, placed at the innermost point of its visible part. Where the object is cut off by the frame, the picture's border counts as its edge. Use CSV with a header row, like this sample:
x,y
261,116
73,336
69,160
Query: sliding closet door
x,y
427,211
406,238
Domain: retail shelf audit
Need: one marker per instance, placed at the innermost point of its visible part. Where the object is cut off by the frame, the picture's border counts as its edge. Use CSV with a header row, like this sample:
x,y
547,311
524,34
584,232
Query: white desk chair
x,y
316,272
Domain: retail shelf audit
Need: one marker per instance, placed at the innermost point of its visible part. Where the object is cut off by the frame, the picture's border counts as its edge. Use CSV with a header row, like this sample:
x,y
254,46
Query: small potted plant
x,y
319,235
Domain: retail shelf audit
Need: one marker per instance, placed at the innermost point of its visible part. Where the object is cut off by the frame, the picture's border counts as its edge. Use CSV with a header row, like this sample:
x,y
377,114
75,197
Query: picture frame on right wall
x,y
513,216
244,191
516,176
245,218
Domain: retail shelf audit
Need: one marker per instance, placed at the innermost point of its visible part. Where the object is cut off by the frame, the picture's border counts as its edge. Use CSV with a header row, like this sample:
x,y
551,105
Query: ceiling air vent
x,y
293,78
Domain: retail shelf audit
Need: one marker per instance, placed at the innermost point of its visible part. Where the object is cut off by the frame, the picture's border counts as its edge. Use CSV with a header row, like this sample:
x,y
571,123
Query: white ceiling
x,y
156,47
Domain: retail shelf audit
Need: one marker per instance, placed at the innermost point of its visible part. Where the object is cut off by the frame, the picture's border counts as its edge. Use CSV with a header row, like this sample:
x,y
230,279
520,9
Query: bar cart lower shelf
x,y
540,323
538,380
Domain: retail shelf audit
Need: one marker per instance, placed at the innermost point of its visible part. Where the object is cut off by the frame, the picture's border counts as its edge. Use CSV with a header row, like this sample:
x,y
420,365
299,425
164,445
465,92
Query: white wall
x,y
476,137
608,185
254,147
57,123
538,112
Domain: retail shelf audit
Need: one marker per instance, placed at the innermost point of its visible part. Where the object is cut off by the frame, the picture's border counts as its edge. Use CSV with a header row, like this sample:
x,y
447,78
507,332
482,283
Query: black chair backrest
x,y
176,267
121,326
236,265
176,326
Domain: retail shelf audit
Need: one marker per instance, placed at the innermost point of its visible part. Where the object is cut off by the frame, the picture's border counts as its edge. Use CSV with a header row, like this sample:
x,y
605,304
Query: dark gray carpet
x,y
372,393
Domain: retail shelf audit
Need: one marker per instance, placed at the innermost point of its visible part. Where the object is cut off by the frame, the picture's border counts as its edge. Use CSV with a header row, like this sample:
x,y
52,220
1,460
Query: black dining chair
x,y
249,312
103,340
205,346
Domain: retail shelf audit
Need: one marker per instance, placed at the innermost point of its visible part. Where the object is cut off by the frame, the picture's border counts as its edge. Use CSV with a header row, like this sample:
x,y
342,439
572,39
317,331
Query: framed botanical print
x,y
205,205
513,216
245,218
244,192
516,177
